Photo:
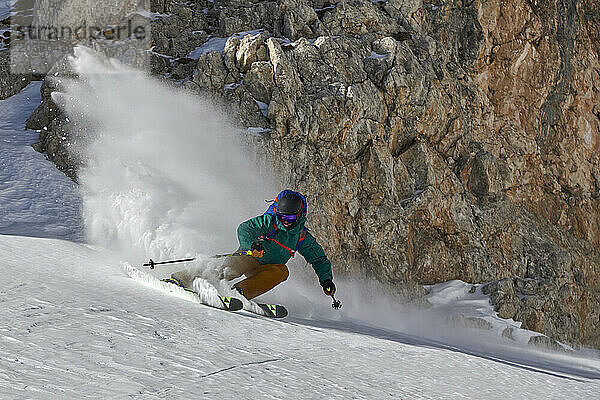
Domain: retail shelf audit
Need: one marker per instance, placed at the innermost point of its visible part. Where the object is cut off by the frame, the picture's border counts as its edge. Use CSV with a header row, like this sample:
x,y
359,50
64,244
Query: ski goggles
x,y
288,217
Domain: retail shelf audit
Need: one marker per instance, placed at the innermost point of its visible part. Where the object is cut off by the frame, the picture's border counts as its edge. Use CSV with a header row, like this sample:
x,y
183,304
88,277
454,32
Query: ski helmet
x,y
289,208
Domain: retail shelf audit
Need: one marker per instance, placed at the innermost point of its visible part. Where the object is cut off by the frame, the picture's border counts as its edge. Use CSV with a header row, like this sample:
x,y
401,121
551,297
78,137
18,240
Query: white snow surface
x,y
5,8
150,15
218,43
377,56
75,325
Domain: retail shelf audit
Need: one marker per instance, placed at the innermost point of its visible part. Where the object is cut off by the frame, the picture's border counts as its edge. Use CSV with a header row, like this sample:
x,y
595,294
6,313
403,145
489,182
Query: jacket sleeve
x,y
314,255
249,231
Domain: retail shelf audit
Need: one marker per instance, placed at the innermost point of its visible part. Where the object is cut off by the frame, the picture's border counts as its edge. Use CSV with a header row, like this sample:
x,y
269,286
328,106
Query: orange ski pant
x,y
260,278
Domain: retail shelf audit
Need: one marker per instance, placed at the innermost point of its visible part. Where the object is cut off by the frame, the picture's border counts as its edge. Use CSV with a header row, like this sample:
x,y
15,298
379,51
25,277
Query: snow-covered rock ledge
x,y
470,306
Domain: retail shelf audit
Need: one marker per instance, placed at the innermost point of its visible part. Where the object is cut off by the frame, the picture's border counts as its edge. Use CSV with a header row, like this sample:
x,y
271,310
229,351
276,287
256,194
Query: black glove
x,y
328,287
257,249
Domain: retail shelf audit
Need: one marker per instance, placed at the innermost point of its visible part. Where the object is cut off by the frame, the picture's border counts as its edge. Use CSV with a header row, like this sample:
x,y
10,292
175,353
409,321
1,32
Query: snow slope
x,y
74,325
77,327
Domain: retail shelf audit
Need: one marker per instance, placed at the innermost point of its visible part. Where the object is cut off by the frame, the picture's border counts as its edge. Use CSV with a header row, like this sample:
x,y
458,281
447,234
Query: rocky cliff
x,y
437,140
12,78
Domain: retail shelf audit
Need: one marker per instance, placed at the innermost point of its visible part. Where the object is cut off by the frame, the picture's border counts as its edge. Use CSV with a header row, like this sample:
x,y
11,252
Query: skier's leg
x,y
262,279
236,266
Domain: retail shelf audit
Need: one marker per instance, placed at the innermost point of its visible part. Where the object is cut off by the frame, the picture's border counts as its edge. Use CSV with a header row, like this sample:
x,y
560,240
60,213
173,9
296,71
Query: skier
x,y
273,238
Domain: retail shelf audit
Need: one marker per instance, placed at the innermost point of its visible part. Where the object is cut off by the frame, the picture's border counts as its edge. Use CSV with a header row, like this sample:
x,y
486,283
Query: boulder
x,y
11,83
503,297
545,343
250,50
461,321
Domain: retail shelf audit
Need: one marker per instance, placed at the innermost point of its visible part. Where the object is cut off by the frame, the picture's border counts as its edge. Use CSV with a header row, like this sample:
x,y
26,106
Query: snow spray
x,y
165,173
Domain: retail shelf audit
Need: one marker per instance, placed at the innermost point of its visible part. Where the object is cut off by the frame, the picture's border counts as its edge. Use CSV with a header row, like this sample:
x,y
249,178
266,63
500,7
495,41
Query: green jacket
x,y
249,231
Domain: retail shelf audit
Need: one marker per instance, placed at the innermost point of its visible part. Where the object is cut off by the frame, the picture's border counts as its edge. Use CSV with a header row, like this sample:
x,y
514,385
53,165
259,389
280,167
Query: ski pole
x,y
152,263
336,303
235,253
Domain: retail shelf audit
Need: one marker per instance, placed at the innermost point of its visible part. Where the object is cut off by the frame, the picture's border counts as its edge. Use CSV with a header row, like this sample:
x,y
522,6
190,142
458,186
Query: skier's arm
x,y
314,255
249,231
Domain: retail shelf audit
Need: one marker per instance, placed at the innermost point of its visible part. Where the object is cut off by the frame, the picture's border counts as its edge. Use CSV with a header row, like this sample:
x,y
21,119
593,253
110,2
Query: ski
x,y
205,288
273,310
265,310
231,303
203,292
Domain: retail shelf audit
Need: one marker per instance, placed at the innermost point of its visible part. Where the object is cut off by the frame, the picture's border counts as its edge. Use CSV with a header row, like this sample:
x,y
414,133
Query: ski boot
x,y
177,282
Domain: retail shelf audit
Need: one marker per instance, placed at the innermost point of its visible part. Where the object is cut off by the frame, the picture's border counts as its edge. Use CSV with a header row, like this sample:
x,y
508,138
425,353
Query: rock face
x,y
10,83
54,127
117,28
437,140
13,79
115,23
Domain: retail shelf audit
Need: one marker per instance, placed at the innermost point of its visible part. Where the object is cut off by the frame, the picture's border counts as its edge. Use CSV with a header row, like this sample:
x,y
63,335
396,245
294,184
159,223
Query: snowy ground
x,y
75,326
